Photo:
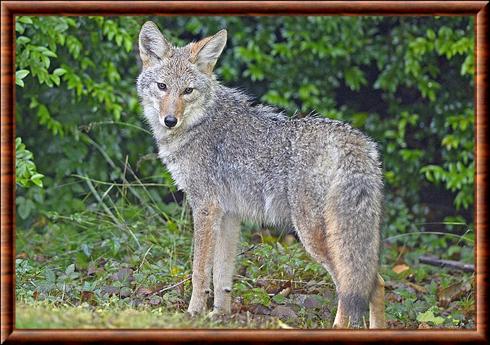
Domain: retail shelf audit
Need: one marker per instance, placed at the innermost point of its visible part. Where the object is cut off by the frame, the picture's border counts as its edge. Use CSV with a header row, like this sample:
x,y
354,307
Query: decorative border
x,y
9,9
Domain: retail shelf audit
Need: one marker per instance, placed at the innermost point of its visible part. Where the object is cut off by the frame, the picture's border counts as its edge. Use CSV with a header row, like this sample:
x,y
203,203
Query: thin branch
x,y
88,127
431,260
119,184
141,200
108,211
281,280
429,233
101,202
247,250
189,277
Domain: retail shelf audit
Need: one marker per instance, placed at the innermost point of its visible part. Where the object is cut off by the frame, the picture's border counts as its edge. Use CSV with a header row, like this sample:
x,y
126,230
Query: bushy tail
x,y
355,207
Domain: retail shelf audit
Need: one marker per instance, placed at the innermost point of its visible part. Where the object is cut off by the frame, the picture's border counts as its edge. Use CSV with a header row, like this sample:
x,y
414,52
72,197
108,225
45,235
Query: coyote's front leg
x,y
207,220
224,264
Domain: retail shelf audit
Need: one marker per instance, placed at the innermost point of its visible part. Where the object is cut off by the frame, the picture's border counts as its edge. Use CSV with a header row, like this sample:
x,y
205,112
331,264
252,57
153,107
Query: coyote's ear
x,y
206,52
153,46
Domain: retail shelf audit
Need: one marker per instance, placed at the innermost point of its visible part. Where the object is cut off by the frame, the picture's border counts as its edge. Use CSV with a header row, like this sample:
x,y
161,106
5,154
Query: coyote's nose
x,y
170,121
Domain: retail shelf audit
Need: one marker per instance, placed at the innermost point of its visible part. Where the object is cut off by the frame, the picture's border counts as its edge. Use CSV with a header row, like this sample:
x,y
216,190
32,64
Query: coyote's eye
x,y
188,90
162,86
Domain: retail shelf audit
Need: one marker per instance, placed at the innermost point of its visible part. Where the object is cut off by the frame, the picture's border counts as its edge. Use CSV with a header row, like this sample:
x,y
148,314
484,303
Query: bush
x,y
407,82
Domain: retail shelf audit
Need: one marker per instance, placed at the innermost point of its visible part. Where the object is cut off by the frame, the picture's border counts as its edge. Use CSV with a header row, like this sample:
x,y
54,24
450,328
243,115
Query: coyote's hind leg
x,y
349,251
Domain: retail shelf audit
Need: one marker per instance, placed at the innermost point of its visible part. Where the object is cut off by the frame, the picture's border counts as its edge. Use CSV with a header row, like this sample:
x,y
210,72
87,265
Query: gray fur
x,y
250,162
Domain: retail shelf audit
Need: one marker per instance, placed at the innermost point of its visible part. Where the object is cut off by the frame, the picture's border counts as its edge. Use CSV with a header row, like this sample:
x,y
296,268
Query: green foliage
x,y
458,169
405,81
26,174
76,263
429,317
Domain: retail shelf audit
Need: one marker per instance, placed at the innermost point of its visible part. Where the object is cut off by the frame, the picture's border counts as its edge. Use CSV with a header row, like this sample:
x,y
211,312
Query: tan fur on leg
x,y
377,305
224,264
206,224
341,319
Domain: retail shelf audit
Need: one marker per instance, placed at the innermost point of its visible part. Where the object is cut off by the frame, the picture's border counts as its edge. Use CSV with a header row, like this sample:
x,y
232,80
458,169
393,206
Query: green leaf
x,y
22,40
24,208
50,276
19,75
279,299
429,317
70,269
59,72
257,296
354,78
25,20
37,179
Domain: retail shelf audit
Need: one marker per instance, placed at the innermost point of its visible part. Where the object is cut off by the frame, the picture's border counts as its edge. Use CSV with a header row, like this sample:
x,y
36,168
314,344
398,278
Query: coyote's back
x,y
239,161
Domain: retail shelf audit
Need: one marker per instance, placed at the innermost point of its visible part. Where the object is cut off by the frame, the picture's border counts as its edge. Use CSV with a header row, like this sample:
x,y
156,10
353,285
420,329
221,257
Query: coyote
x,y
237,160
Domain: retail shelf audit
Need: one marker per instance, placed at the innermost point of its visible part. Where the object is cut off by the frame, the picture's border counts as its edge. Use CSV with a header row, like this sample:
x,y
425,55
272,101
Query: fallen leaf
x,y
142,291
417,288
22,255
393,298
400,268
450,293
88,296
286,291
283,325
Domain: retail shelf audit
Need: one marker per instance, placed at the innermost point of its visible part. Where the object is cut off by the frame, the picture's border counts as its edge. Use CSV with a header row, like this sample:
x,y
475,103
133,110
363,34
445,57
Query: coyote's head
x,y
176,83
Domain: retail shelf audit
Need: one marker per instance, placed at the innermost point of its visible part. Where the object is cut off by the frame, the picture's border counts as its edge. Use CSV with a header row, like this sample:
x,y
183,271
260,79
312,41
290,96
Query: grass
x,y
49,315
120,265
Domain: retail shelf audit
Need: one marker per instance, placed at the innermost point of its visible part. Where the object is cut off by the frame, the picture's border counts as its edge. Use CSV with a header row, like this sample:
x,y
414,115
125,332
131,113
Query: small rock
x,y
125,292
261,282
124,274
155,300
259,309
312,302
110,290
284,312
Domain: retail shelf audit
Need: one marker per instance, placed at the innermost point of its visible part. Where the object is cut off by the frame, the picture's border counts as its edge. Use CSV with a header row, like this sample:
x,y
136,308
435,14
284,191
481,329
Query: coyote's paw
x,y
195,310
213,314
217,312
196,307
